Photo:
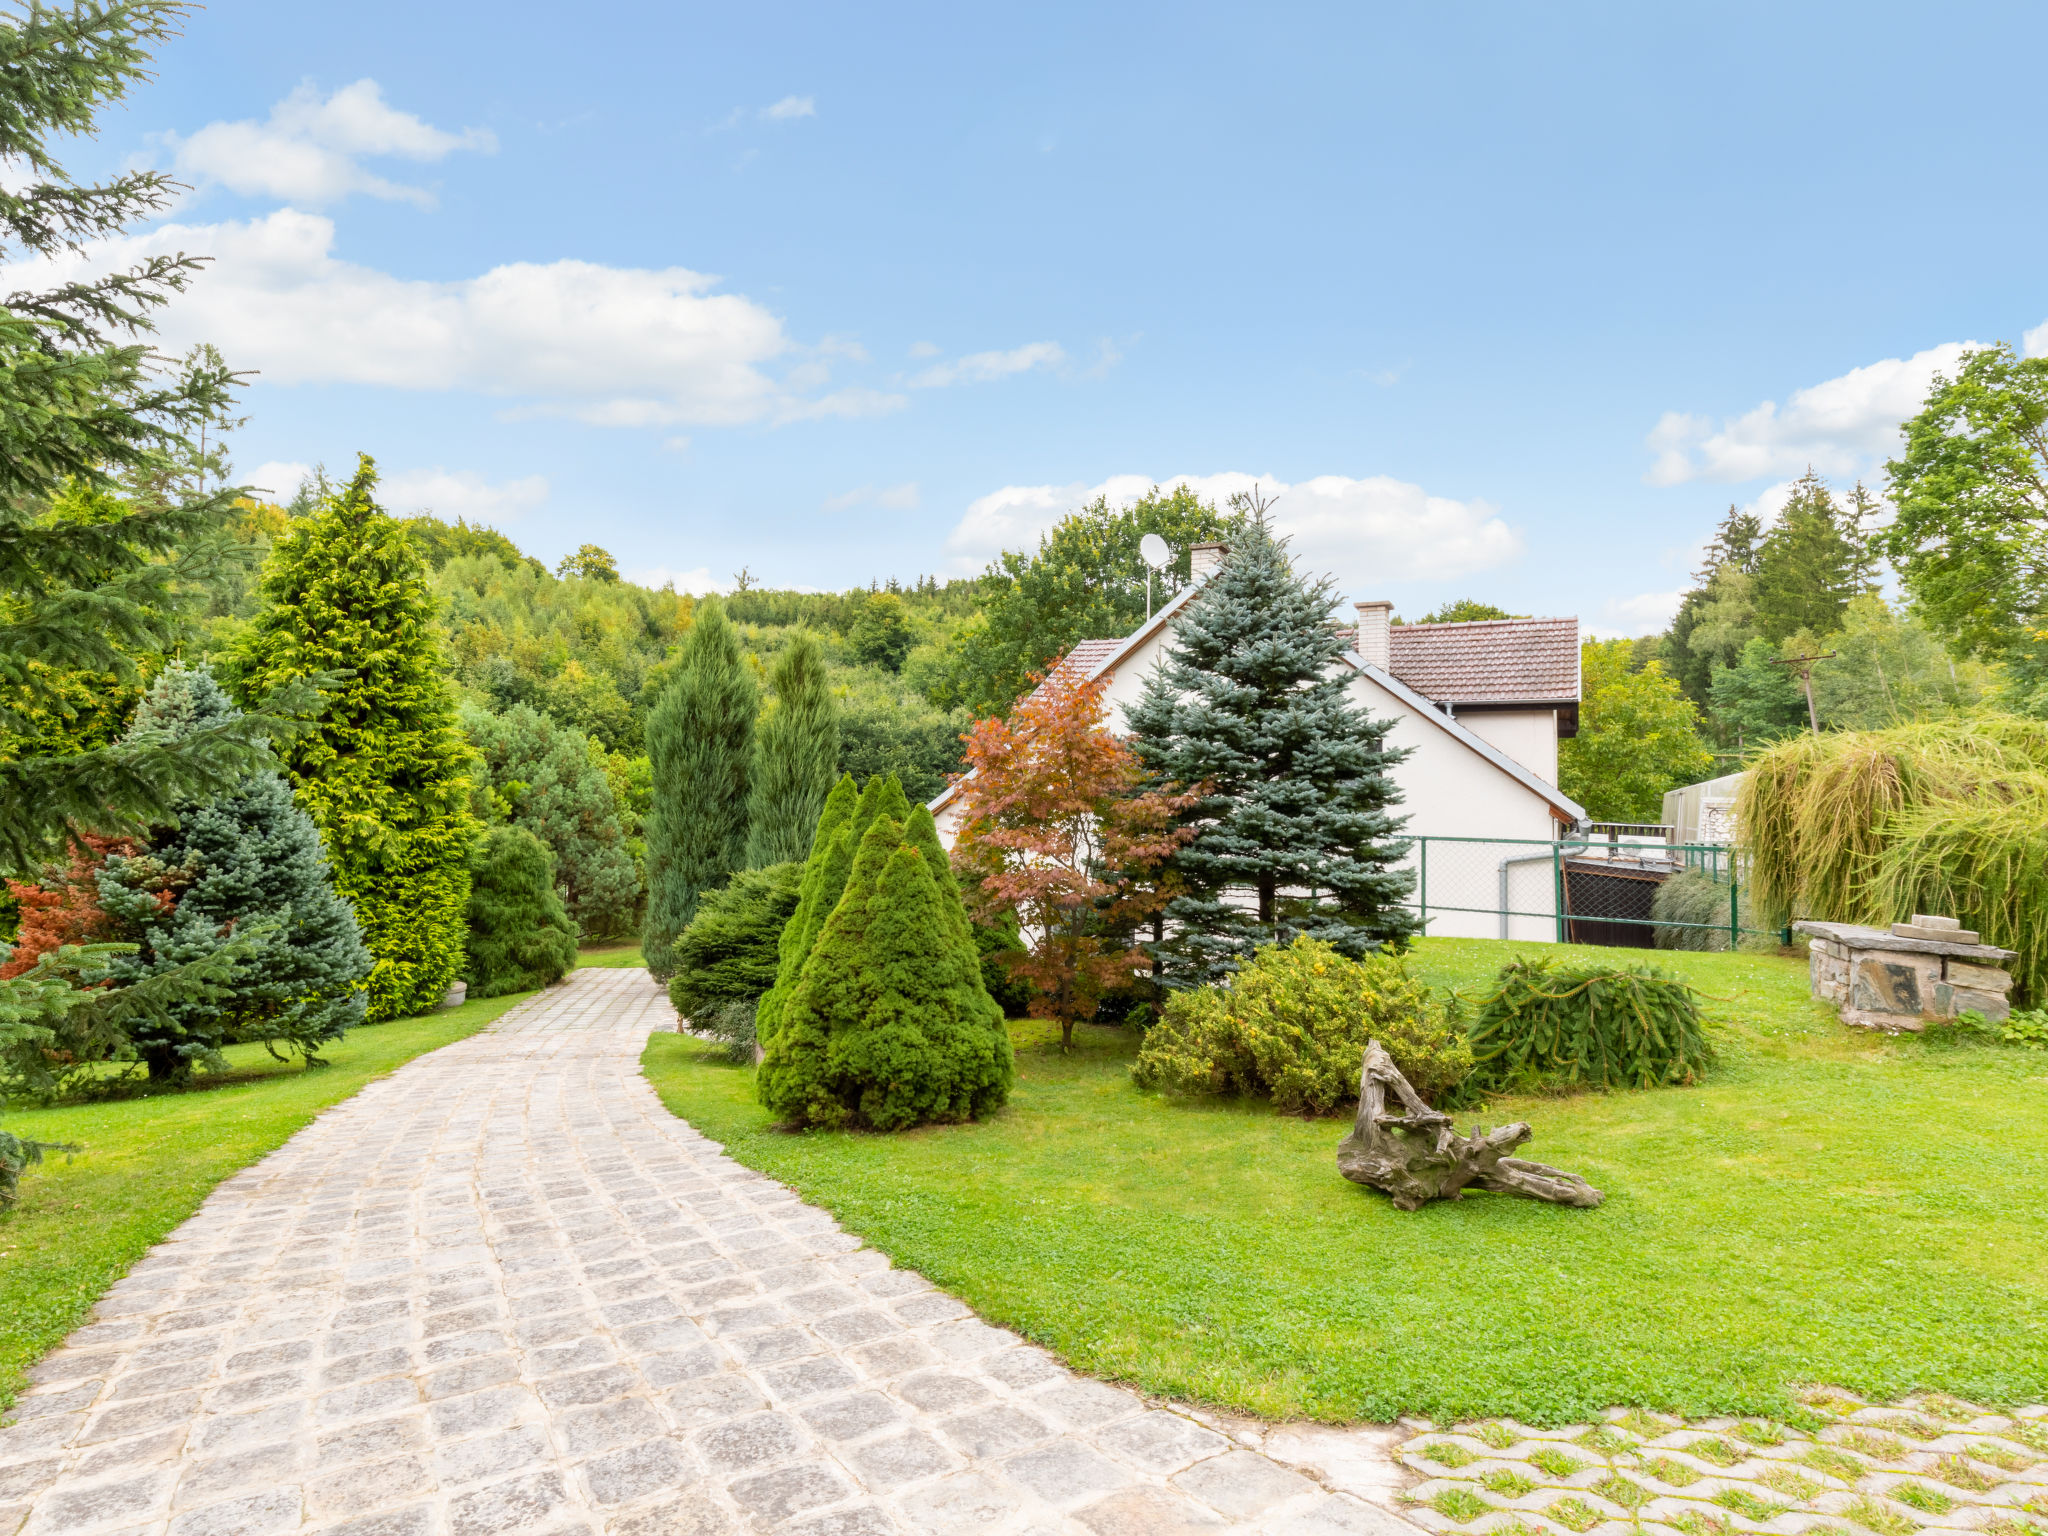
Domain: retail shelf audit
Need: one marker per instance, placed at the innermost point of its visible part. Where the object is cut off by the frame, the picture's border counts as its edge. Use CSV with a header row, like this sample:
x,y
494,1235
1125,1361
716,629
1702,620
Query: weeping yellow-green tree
x,y
383,774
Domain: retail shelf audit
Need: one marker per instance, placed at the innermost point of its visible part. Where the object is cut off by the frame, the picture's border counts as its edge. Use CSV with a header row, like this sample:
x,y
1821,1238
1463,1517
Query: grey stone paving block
x,y
930,1307
373,1441
893,1356
489,1456
941,1392
587,1431
586,1353
636,1470
1022,1368
383,1362
209,1480
26,1477
494,1408
771,1496
682,1366
776,1345
366,1399
261,1514
357,1490
754,1441
465,1345
899,1459
848,1418
688,1515
810,1378
1160,1442
823,1301
864,1521
596,1386
1337,1515
1147,1512
1085,1404
471,1375
271,1356
137,1418
149,1383
414,1520
993,1430
518,1504
1066,1472
1241,1484
972,1501
713,1400
229,1430
124,1455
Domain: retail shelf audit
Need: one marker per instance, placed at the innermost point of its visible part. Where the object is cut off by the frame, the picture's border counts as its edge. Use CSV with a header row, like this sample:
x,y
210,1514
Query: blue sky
x,y
1502,301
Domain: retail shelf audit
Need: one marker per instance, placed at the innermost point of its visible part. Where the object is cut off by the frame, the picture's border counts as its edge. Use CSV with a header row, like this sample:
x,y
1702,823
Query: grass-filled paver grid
x,y
1829,1206
148,1159
1930,1463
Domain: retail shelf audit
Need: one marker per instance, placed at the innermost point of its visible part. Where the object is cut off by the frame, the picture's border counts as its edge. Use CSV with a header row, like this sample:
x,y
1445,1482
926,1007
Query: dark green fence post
x,y
1557,886
1424,921
1734,908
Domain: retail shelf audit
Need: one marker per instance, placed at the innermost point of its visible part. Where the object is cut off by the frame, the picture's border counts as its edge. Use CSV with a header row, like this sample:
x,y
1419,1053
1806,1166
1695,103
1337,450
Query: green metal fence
x,y
1597,888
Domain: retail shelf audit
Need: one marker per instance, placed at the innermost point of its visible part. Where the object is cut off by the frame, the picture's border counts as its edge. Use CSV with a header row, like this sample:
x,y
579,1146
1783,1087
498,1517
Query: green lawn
x,y
611,955
148,1161
1830,1207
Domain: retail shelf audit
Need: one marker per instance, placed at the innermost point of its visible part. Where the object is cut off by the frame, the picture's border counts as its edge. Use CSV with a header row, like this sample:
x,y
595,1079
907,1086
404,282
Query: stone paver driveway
x,y
503,1290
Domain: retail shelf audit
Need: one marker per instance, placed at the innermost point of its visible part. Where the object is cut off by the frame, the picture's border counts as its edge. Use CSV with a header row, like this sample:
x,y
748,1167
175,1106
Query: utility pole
x,y
1805,666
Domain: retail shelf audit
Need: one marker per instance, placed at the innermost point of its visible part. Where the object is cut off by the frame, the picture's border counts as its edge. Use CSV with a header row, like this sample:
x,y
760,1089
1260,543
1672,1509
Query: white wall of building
x,y
1529,736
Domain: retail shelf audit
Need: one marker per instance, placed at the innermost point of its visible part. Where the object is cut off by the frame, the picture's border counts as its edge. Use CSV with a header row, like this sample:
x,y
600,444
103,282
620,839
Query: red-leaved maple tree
x,y
1060,832
64,907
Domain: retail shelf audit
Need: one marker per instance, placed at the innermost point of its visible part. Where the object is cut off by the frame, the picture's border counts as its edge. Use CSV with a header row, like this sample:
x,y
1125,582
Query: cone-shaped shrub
x,y
729,952
520,934
889,1025
825,877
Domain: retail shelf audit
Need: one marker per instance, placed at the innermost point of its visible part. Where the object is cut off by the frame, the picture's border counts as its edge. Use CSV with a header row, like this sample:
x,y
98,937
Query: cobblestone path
x,y
504,1290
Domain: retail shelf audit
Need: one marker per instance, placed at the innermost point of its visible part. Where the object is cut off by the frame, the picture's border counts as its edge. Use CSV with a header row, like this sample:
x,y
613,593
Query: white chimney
x,y
1375,631
1205,560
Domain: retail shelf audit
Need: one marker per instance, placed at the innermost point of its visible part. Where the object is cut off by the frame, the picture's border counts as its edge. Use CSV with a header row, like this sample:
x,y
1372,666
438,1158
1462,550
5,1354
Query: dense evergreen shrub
x,y
1588,1024
796,755
841,825
384,773
888,1026
730,951
700,741
520,935
233,863
1293,1026
992,941
551,780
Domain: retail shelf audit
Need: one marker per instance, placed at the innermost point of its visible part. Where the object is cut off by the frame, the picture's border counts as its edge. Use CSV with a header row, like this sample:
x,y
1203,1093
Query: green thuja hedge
x,y
888,1024
520,935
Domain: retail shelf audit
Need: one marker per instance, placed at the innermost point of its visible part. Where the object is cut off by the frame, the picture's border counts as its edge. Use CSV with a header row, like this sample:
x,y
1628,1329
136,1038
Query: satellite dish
x,y
1155,551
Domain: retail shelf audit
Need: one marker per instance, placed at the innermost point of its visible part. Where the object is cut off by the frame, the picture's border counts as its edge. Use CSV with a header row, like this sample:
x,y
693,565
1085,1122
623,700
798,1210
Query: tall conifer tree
x,y
1808,566
700,742
796,751
384,774
1294,833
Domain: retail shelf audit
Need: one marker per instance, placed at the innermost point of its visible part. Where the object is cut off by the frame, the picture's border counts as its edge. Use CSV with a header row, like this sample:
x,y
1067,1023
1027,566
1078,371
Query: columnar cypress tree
x,y
383,775
1253,702
795,752
520,935
237,863
889,1025
700,741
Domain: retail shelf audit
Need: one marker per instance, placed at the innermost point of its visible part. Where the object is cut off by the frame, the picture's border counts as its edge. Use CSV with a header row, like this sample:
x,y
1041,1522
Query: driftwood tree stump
x,y
1415,1153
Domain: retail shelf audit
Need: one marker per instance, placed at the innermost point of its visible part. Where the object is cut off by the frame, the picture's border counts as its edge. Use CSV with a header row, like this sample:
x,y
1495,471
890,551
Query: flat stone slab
x,y
503,1291
1858,937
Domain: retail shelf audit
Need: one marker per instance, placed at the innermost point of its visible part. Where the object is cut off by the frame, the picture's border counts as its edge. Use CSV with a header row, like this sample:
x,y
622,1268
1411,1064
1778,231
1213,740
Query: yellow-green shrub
x,y
1292,1026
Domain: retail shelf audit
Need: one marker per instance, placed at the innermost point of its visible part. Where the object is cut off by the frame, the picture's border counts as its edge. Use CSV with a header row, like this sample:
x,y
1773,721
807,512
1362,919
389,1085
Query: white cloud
x,y
2036,340
791,107
1841,427
698,582
278,480
1623,618
309,151
900,498
1367,532
987,367
612,346
923,349
450,494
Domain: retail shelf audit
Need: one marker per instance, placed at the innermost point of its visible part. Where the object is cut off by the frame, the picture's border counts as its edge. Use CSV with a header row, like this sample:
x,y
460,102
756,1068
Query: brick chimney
x,y
1205,560
1375,626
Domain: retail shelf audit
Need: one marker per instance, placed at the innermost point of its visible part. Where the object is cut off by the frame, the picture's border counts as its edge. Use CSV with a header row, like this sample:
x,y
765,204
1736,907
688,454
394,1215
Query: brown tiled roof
x,y
1489,661
1088,654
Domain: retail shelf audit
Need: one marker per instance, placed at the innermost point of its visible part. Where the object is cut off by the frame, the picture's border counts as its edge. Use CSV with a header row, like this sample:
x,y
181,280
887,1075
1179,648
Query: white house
x,y
1483,706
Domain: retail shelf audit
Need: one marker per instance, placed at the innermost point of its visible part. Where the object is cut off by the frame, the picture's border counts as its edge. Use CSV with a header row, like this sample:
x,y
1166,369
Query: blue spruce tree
x,y
1295,834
